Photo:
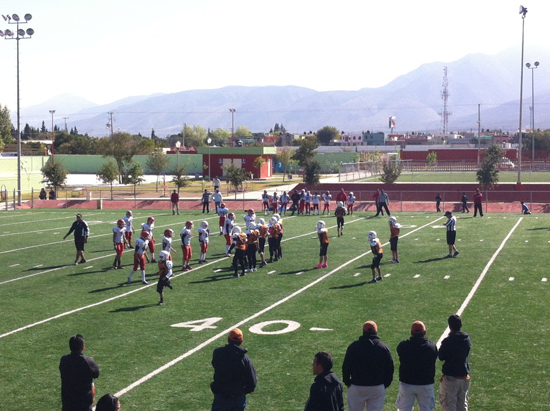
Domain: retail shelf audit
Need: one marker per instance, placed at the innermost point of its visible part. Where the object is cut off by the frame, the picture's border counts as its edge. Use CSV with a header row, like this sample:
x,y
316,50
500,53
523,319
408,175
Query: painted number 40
x,y
208,323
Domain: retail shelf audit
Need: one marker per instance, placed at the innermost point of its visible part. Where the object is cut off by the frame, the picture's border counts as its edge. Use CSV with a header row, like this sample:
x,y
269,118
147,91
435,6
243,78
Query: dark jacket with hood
x,y
454,351
368,362
417,357
234,374
326,393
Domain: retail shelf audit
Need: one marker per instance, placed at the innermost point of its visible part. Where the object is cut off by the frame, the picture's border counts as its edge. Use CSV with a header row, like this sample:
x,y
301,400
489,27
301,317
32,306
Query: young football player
x,y
340,212
263,233
167,242
525,209
350,202
315,200
252,236
326,200
129,221
223,211
186,245
284,202
250,217
227,229
139,256
378,253
395,229
280,237
275,202
265,202
119,242
322,233
302,202
204,234
307,200
240,251
149,226
272,239
165,272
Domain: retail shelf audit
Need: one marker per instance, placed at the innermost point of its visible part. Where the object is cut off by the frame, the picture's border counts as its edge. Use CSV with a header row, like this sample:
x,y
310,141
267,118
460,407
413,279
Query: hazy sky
x,y
105,50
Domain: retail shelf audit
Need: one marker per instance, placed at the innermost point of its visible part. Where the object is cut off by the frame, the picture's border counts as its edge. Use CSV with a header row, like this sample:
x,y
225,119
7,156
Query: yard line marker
x,y
271,272
218,270
244,321
301,272
446,277
14,265
544,280
38,266
88,267
479,280
320,329
387,275
416,276
511,279
356,274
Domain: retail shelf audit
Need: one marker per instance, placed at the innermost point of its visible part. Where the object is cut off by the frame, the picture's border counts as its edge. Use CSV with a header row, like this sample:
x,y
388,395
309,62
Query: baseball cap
x,y
236,335
418,327
370,326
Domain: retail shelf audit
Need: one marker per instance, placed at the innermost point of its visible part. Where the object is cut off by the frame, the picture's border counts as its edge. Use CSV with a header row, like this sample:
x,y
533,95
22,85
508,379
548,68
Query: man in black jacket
x,y
417,357
234,375
81,233
455,383
326,392
77,374
367,370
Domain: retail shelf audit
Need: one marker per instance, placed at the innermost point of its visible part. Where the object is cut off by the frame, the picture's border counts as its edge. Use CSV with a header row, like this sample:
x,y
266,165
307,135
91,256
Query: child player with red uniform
x,y
149,226
165,272
186,245
139,256
129,221
322,233
223,211
119,242
204,234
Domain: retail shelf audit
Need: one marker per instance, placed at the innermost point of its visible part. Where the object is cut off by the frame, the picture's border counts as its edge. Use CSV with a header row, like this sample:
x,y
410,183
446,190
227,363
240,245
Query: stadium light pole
x,y
232,110
523,12
532,68
53,140
19,34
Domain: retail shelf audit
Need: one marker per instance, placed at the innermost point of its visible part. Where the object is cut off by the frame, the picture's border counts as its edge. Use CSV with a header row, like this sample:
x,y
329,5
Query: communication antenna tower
x,y
445,97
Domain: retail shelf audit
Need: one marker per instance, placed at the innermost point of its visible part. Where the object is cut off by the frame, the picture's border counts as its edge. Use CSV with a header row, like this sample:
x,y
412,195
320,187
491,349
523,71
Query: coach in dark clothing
x,y
367,370
295,197
417,357
81,233
77,374
234,375
326,392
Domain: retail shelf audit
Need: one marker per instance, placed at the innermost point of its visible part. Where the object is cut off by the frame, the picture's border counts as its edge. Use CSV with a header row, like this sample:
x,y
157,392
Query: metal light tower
x,y
232,110
19,34
523,12
53,139
528,65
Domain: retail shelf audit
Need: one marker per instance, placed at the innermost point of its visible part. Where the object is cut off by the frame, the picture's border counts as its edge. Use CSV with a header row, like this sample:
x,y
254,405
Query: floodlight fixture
x,y
20,32
30,32
28,16
9,33
523,11
15,17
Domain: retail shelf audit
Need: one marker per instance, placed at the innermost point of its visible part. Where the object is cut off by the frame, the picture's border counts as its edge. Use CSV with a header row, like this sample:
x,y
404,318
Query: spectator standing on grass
x,y
265,202
438,202
525,209
217,183
478,203
455,383
217,198
81,232
367,370
77,377
206,201
108,402
451,234
175,199
284,202
295,197
417,357
464,200
377,203
342,196
234,375
383,201
326,392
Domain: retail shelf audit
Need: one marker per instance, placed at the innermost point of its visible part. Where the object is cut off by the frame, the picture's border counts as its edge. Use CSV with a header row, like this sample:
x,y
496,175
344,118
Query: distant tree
x,y
282,128
178,176
219,136
54,174
235,175
108,173
312,172
258,163
157,163
487,175
66,143
194,136
285,157
134,175
43,129
242,131
391,170
326,135
276,128
153,136
306,150
431,158
5,125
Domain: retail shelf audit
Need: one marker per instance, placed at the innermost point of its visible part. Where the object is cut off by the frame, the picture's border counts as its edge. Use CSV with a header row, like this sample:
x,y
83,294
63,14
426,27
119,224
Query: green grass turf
x,y
465,177
131,336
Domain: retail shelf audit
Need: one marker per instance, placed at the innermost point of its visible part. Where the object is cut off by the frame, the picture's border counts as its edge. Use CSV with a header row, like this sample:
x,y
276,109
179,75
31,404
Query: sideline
x,y
479,280
130,292
253,316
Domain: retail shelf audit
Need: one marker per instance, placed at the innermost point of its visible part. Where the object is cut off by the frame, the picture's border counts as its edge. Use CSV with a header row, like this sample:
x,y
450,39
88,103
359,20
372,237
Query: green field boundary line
x,y
253,316
479,280
130,292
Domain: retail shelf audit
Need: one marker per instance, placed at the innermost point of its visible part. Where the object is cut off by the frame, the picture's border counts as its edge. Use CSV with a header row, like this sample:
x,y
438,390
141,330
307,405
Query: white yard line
x,y
479,280
246,320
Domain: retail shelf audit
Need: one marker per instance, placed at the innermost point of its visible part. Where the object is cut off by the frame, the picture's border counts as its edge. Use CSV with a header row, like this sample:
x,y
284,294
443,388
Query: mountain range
x,y
493,81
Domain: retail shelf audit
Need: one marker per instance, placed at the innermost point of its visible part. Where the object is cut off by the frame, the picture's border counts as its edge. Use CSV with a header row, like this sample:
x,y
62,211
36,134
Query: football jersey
x,y
169,265
148,227
265,198
263,229
307,198
351,200
252,236
222,212
203,235
394,231
249,219
240,241
377,249
129,221
141,246
315,199
284,198
228,226
119,234
327,198
451,224
340,212
323,236
185,236
167,244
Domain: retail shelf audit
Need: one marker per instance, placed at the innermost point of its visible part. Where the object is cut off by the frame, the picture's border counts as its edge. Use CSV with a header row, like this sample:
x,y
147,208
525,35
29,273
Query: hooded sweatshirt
x,y
417,357
234,374
454,351
326,393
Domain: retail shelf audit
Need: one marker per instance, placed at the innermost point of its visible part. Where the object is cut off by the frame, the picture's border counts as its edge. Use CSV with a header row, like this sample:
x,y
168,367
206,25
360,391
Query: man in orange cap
x,y
367,370
417,357
234,374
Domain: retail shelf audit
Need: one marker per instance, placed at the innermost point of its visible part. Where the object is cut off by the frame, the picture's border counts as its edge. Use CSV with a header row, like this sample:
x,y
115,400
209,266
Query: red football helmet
x,y
188,224
250,211
129,213
168,232
145,234
222,205
231,216
150,220
120,223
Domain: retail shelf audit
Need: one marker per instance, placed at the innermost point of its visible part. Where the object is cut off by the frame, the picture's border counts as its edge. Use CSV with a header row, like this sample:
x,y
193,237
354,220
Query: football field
x,y
158,357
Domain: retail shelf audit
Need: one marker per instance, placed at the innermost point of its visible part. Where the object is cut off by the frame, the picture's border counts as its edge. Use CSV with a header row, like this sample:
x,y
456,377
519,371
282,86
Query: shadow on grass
x,y
52,267
130,309
343,287
219,277
432,260
296,271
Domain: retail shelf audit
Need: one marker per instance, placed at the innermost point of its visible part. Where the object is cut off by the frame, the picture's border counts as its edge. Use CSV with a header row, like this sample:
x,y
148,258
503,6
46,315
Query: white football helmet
x,y
277,216
204,224
320,225
351,193
129,213
372,235
261,221
273,220
163,256
236,230
392,221
340,204
251,226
